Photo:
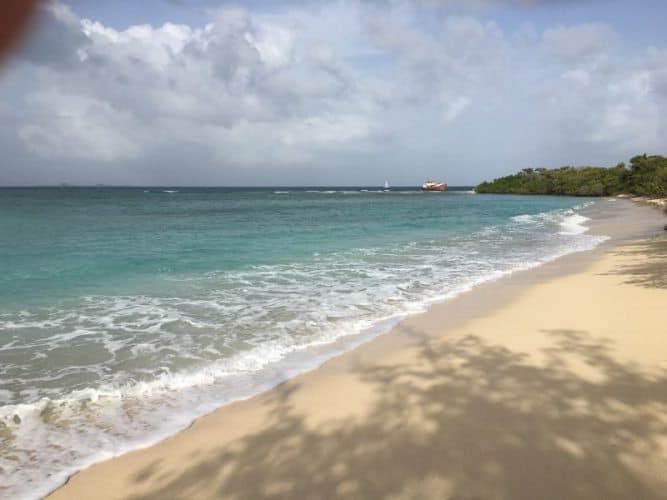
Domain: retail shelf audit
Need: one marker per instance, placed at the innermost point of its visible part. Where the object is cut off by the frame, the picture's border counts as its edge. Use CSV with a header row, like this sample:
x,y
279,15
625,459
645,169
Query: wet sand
x,y
550,383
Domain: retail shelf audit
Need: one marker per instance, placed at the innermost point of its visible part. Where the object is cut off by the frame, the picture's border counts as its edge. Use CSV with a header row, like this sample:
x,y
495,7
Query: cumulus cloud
x,y
657,59
576,43
79,127
606,105
312,86
229,85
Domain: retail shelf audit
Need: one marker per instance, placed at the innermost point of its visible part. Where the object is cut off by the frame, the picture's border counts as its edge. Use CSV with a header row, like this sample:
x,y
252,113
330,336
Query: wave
x,y
574,224
348,191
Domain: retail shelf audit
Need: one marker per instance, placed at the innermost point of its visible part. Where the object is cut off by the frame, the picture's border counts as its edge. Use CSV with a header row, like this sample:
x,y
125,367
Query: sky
x,y
341,92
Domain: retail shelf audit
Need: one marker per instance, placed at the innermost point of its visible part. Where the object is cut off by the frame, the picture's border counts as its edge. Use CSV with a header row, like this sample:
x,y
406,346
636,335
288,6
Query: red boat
x,y
430,185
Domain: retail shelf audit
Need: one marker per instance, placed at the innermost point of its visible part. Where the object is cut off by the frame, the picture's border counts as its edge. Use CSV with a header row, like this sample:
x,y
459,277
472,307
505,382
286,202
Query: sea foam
x,y
574,224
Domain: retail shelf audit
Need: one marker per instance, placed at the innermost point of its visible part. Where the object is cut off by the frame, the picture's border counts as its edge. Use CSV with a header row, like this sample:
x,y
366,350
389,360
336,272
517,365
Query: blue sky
x,y
642,20
341,92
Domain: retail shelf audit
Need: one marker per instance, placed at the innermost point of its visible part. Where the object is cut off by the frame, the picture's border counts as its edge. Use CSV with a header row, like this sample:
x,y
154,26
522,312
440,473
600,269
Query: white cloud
x,y
573,44
315,84
657,60
237,81
608,107
455,107
79,127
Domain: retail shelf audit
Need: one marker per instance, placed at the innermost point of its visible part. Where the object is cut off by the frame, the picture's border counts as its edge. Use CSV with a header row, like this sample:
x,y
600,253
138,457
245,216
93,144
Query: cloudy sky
x,y
349,92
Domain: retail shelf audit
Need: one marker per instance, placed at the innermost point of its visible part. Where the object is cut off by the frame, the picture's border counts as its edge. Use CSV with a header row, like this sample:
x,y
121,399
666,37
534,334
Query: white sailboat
x,y
386,185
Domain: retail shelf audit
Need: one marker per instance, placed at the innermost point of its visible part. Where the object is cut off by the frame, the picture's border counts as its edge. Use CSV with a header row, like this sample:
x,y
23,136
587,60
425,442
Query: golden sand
x,y
551,384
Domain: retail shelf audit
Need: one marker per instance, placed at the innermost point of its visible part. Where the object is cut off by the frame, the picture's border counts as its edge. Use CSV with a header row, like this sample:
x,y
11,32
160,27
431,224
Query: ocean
x,y
125,313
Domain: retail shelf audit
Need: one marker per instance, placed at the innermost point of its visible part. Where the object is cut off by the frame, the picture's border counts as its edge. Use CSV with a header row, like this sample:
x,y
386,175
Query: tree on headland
x,y
645,176
648,176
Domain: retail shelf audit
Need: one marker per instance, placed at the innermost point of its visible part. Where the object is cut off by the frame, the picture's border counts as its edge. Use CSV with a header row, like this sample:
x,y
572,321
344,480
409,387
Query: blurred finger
x,y
15,17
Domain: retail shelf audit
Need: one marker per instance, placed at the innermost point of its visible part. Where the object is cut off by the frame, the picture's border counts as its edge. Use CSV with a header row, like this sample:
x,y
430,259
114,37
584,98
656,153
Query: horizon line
x,y
138,186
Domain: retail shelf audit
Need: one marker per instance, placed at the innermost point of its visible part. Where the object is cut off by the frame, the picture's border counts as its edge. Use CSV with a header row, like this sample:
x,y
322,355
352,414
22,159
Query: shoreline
x,y
202,399
459,311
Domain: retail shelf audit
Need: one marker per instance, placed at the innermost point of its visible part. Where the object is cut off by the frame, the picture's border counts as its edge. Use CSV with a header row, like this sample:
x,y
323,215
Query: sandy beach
x,y
550,383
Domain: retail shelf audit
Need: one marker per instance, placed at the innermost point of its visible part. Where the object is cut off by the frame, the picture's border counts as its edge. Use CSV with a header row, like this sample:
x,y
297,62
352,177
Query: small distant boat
x,y
386,185
431,185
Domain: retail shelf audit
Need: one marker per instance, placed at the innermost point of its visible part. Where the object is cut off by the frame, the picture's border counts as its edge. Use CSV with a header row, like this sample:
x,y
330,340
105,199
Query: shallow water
x,y
125,313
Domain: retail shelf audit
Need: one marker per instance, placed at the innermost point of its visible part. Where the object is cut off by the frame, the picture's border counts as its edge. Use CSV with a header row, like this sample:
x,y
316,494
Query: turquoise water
x,y
126,312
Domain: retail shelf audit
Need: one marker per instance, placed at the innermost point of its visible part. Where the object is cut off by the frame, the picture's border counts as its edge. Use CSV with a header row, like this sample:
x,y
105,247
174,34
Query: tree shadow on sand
x,y
651,272
470,420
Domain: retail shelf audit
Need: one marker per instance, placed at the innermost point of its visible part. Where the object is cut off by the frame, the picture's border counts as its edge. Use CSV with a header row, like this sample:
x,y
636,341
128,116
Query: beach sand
x,y
548,384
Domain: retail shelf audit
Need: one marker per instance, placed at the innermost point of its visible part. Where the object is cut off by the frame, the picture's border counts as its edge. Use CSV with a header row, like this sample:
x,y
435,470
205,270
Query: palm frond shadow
x,y
651,272
470,420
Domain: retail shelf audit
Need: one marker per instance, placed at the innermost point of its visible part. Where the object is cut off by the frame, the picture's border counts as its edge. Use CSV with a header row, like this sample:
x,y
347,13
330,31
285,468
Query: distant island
x,y
645,176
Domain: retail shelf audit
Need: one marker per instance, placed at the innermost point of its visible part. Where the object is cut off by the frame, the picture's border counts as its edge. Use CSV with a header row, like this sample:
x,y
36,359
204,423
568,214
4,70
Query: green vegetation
x,y
645,176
